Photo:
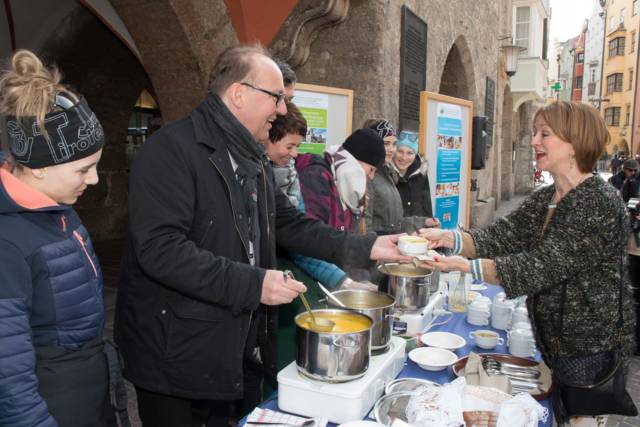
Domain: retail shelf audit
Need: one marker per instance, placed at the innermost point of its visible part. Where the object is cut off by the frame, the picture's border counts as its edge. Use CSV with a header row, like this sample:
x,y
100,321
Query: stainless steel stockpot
x,y
377,305
333,356
411,286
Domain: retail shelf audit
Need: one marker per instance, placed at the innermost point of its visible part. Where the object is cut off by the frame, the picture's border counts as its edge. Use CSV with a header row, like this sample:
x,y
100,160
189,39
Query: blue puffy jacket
x,y
50,294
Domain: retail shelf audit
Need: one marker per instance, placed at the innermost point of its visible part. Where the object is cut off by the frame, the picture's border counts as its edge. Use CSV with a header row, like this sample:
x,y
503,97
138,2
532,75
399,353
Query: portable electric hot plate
x,y
340,402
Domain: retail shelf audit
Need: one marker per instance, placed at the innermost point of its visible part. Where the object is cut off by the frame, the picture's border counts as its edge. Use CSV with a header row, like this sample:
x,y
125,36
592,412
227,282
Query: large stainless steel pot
x,y
333,356
377,305
411,286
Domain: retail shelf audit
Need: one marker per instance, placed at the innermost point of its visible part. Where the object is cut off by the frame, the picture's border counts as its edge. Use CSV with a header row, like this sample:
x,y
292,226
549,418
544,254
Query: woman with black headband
x,y
384,213
54,366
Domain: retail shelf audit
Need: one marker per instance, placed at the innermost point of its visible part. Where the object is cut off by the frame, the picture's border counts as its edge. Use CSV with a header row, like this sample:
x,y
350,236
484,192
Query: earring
x,y
572,161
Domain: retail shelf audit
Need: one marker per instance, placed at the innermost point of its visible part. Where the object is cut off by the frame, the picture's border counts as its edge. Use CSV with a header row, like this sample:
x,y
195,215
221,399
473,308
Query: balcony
x,y
530,81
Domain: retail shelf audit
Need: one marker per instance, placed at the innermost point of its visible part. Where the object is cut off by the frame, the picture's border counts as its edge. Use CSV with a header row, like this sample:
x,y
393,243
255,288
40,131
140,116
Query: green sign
x,y
556,87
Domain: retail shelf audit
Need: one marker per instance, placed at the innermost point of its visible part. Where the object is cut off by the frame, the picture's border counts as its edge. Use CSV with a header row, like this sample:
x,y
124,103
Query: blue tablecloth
x,y
458,325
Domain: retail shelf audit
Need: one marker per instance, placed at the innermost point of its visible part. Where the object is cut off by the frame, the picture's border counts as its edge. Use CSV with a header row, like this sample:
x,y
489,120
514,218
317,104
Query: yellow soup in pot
x,y
344,322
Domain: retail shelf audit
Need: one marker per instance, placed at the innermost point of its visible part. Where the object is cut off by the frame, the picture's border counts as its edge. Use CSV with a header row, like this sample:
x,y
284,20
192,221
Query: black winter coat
x,y
188,292
415,191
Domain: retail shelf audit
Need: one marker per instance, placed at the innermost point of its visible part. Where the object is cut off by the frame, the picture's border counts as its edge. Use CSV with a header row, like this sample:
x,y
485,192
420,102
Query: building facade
x,y
578,66
618,73
565,58
114,51
530,85
594,40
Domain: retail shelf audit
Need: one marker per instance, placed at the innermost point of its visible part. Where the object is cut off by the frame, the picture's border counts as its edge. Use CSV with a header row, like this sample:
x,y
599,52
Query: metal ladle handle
x,y
320,325
287,274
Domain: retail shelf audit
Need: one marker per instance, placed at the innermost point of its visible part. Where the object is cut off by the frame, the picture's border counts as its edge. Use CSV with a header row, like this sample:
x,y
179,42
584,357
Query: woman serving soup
x,y
564,248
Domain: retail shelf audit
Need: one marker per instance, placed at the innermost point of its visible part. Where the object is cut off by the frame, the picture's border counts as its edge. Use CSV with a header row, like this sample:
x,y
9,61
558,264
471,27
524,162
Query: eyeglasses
x,y
279,97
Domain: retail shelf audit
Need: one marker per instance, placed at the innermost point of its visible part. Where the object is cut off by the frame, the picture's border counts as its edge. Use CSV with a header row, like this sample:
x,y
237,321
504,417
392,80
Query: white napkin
x,y
436,406
521,410
260,414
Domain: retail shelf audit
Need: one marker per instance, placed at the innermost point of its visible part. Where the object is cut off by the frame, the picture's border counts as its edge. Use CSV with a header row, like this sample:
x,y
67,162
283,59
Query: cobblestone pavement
x,y
110,259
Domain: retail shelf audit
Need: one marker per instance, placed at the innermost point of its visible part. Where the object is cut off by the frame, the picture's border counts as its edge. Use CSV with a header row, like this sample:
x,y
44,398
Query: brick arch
x,y
178,41
457,75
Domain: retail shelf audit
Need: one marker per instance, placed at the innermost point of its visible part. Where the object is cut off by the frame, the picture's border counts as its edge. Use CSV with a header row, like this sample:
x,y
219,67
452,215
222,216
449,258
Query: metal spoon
x,y
509,368
320,325
333,298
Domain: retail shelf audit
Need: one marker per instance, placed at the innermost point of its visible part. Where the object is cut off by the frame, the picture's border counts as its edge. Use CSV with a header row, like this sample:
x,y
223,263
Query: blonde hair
x,y
28,88
580,125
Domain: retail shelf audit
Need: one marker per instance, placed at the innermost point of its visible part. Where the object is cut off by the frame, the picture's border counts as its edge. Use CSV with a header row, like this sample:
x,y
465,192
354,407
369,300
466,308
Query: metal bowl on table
x,y
411,286
335,356
377,305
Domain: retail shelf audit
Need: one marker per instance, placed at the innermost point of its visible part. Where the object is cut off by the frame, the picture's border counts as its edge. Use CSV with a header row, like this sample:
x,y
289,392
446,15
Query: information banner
x,y
445,130
313,107
328,112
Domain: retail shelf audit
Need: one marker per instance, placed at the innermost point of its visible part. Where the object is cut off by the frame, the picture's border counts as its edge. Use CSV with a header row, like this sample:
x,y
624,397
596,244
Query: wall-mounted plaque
x,y
489,108
413,69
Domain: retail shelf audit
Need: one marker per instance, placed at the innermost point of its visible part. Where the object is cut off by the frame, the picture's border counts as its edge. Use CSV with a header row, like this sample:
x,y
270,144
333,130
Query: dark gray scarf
x,y
247,153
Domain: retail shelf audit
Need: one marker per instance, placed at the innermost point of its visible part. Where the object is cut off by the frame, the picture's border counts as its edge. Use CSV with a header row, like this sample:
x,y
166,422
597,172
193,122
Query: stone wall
x,y
363,53
111,84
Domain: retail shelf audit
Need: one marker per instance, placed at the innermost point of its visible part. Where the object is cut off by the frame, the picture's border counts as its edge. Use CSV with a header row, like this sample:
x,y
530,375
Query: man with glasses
x,y
199,271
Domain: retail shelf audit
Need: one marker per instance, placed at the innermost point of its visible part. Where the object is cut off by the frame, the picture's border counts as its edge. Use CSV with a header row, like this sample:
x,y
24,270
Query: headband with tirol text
x,y
73,133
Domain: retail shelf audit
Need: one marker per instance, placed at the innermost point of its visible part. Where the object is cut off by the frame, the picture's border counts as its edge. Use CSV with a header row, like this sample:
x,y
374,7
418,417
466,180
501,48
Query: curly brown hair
x,y
291,123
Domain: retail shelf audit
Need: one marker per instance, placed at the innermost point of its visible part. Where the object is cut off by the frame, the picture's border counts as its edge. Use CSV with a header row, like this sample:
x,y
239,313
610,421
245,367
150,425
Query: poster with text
x,y
313,107
448,163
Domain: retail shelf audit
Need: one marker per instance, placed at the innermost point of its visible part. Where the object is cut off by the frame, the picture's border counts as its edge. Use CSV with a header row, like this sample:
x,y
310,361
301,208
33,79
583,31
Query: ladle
x,y
320,325
333,298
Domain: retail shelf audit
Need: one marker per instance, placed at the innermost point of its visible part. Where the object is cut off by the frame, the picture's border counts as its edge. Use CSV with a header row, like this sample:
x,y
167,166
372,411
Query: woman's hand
x,y
437,237
432,222
448,263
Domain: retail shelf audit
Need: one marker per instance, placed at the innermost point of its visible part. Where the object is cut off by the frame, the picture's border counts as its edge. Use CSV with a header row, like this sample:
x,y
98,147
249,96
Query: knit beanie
x,y
630,164
408,139
367,146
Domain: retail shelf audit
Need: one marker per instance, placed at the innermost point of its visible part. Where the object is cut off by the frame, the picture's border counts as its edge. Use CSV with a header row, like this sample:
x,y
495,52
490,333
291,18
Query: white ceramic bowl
x,y
412,245
444,340
433,358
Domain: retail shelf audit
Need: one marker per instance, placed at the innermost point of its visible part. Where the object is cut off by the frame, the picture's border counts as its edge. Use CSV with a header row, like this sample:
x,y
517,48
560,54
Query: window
x,y
591,89
630,79
579,82
522,28
614,82
634,7
593,74
580,58
622,17
612,23
633,41
627,115
616,47
612,116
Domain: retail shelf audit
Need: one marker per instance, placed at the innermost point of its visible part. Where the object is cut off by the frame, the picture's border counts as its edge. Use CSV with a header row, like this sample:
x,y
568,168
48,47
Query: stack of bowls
x,y
478,312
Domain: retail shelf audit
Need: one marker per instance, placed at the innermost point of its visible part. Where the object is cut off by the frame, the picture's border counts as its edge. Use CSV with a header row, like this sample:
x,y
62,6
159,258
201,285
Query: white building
x,y
531,31
593,55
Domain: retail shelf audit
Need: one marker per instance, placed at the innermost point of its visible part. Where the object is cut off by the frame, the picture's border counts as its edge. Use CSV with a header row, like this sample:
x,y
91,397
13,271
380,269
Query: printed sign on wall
x,y
445,137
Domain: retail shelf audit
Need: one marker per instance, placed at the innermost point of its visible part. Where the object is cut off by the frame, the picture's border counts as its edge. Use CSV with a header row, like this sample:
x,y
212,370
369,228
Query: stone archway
x,y
457,75
95,63
507,147
623,147
178,41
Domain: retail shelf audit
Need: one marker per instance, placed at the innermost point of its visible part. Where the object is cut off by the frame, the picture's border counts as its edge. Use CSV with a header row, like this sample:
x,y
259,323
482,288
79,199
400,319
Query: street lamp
x,y
511,55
